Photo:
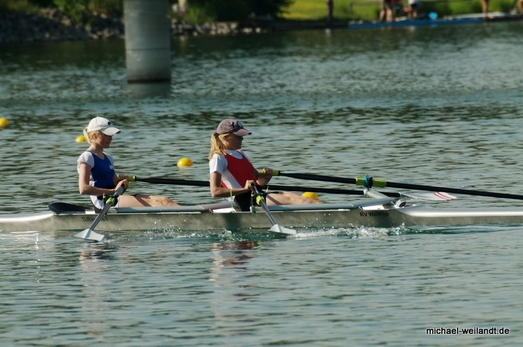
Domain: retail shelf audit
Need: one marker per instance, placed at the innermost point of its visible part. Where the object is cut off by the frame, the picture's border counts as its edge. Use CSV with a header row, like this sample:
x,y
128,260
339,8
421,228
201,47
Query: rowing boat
x,y
382,211
454,20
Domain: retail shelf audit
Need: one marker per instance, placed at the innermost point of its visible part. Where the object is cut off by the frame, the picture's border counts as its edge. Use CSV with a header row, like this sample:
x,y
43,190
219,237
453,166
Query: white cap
x,y
102,124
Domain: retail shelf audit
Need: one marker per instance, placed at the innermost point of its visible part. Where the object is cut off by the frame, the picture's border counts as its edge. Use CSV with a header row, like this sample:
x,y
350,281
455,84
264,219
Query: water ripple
x,y
439,106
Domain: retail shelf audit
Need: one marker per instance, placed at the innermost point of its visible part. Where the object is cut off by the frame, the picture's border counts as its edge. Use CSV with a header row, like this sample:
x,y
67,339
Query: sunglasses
x,y
237,126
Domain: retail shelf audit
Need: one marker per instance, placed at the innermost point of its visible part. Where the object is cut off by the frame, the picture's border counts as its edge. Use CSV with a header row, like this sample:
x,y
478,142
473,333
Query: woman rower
x,y
97,176
232,173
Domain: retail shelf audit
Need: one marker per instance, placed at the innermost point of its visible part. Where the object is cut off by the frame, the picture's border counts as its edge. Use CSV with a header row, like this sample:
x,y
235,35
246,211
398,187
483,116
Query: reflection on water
x,y
94,252
95,265
234,254
146,90
233,287
272,68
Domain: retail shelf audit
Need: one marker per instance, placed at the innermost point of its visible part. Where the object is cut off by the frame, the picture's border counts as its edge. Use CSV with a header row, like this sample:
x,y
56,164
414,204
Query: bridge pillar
x,y
147,40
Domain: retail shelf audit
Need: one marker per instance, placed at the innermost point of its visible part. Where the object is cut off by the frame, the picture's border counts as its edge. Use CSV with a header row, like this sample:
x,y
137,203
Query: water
x,y
439,106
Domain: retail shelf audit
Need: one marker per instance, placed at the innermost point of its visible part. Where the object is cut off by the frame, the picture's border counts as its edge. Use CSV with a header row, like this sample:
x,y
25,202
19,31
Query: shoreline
x,y
50,25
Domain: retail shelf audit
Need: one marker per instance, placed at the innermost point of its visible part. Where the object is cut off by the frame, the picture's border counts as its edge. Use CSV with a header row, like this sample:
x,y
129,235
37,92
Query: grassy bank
x,y
345,10
315,11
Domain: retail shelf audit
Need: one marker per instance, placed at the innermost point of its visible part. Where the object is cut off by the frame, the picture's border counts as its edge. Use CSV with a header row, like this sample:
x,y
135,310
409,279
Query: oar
x,y
436,196
275,226
278,187
371,182
161,180
90,234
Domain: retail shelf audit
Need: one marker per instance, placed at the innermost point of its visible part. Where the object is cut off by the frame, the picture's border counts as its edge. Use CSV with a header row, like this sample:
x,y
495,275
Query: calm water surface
x,y
439,106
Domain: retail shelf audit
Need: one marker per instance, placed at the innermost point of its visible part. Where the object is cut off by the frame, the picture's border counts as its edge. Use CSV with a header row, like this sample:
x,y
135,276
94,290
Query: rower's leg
x,y
140,200
287,198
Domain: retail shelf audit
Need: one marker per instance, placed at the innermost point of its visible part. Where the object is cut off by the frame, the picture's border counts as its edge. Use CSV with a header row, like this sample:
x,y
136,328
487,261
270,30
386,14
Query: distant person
x,y
387,11
180,7
232,173
97,176
485,4
413,9
330,6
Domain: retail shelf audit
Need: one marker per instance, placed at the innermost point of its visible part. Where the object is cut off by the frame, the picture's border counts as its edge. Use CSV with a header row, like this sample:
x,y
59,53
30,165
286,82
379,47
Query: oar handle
x,y
365,181
260,200
314,177
258,197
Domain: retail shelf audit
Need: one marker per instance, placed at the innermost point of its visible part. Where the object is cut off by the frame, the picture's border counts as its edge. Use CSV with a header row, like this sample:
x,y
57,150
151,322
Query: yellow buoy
x,y
3,123
311,195
80,139
184,162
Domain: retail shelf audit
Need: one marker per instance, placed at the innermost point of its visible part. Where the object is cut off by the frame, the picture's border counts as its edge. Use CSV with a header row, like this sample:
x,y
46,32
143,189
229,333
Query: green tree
x,y
76,10
80,11
112,7
43,3
237,10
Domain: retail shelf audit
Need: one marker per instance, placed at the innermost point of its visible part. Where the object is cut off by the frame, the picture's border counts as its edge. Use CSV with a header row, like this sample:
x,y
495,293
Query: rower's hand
x,y
257,195
266,172
124,183
249,184
121,177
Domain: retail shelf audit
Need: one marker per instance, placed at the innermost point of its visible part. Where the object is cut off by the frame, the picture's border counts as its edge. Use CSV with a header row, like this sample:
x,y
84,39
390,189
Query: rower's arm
x,y
217,191
263,176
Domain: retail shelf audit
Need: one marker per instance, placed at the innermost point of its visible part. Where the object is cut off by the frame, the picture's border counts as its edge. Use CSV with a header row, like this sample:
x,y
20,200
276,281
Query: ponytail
x,y
217,145
90,136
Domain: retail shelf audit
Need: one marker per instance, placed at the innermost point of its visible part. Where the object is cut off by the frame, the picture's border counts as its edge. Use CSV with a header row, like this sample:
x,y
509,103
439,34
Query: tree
x,y
238,10
76,10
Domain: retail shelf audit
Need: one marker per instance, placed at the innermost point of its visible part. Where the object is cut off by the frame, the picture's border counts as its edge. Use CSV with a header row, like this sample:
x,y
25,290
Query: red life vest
x,y
241,169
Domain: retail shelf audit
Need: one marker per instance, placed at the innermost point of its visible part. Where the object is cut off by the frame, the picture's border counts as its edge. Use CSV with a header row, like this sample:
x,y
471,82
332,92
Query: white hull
x,y
366,213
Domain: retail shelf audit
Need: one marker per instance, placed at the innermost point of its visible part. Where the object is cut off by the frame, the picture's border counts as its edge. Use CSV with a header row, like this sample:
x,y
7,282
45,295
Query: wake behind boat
x,y
381,211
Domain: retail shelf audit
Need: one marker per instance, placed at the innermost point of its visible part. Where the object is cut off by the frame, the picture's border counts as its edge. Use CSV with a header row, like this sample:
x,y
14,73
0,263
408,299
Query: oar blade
x,y
276,228
435,196
89,234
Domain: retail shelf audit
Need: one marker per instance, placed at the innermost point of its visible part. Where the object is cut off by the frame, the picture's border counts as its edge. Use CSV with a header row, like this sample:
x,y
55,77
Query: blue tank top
x,y
102,172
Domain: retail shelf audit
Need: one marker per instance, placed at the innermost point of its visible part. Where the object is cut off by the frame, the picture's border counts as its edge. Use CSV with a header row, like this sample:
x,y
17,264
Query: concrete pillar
x,y
147,40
